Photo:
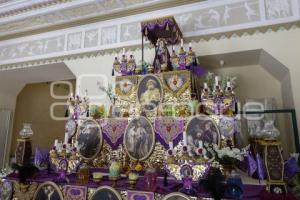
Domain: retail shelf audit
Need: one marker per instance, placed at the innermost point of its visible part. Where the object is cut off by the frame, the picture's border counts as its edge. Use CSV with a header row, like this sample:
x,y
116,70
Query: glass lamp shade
x,y
26,132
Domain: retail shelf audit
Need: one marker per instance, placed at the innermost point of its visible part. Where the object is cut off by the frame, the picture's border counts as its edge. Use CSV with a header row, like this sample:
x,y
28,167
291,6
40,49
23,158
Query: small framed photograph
x,y
49,191
106,192
176,196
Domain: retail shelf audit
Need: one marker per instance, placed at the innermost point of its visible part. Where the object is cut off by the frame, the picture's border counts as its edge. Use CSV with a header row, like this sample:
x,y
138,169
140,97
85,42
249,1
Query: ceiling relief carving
x,y
199,19
42,17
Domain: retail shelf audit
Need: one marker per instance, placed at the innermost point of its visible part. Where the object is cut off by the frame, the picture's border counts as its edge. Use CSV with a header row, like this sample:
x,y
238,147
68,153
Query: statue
x,y
162,57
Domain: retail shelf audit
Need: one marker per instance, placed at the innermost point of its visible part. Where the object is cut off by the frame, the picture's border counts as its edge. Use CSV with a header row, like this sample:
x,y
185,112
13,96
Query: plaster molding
x,y
111,35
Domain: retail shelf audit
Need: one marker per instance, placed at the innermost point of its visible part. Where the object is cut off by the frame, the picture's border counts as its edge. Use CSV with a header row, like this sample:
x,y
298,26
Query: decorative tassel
x,y
146,31
67,113
113,72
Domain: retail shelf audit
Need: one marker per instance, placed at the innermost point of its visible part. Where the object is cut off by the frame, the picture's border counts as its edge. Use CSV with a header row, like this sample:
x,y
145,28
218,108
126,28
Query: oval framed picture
x,y
149,92
90,140
202,128
106,192
139,138
176,196
49,191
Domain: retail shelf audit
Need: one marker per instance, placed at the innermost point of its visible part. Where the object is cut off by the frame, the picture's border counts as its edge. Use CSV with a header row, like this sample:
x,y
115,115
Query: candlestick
x,y
56,143
181,42
171,145
66,138
228,84
200,144
217,80
184,139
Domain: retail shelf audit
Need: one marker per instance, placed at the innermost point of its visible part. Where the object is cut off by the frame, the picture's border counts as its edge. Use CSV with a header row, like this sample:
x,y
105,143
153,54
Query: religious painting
x,y
139,139
176,196
6,190
89,139
139,195
186,171
202,128
149,92
106,193
48,191
73,192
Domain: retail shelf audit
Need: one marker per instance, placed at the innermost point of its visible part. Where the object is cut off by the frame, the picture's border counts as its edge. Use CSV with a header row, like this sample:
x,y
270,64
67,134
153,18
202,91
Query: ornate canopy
x,y
165,27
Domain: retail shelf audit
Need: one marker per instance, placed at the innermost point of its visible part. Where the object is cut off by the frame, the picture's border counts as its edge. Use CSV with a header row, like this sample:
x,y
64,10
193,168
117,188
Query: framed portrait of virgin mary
x,y
90,140
202,128
176,196
149,92
48,190
139,139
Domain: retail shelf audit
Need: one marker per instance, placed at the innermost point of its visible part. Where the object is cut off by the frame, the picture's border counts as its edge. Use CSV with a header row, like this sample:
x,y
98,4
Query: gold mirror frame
x,y
153,139
48,183
100,136
108,188
208,118
176,194
161,90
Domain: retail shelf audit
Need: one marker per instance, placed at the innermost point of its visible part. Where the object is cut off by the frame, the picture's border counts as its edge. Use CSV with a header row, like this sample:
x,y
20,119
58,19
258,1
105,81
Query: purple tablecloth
x,y
251,192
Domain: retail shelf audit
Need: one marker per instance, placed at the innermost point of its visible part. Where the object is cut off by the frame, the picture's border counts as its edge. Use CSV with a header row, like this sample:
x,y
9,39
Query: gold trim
x,y
108,188
153,140
161,95
101,139
48,183
208,118
176,194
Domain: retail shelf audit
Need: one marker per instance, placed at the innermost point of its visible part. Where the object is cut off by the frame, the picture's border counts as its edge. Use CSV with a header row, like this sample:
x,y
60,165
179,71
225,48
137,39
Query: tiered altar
x,y
164,136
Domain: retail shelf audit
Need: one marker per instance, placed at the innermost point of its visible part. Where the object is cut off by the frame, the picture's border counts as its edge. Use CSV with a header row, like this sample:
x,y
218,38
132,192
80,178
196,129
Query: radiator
x,y
5,117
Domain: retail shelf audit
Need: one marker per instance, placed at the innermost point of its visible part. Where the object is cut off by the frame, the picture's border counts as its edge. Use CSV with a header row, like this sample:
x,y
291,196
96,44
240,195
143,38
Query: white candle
x,y
217,80
171,145
71,94
56,143
116,56
190,44
76,145
200,144
173,48
66,138
123,51
184,139
181,42
228,84
86,92
78,91
205,85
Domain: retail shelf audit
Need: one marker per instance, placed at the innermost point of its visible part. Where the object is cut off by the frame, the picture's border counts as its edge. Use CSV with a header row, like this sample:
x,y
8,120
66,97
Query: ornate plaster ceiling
x,y
20,16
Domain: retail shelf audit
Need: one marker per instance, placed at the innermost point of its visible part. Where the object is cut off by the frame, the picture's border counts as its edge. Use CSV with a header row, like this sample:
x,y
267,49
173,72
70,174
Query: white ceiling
x,y
12,81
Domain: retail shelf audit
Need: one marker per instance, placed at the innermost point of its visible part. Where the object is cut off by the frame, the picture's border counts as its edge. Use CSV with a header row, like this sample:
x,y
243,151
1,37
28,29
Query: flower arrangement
x,y
227,155
109,92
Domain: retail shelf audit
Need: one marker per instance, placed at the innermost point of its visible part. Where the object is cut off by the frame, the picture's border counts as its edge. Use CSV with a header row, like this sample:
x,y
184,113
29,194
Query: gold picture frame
x,y
133,128
41,186
204,118
142,83
176,194
98,146
115,192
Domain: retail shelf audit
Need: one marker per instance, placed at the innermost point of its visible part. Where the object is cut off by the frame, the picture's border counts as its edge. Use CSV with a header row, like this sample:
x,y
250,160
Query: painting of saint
x,y
202,128
139,138
106,193
89,139
150,92
48,191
